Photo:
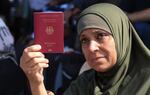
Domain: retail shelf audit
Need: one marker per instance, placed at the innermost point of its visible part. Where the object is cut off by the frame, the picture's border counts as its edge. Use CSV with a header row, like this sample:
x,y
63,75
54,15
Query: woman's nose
x,y
93,46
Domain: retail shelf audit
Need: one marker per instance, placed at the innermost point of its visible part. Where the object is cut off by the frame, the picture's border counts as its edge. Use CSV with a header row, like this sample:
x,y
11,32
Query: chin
x,y
101,69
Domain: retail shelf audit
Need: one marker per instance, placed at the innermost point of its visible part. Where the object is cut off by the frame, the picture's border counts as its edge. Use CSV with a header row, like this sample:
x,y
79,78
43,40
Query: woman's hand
x,y
32,63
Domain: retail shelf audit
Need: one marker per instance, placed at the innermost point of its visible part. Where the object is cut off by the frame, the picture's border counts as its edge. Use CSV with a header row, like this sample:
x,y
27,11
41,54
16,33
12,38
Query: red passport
x,y
49,31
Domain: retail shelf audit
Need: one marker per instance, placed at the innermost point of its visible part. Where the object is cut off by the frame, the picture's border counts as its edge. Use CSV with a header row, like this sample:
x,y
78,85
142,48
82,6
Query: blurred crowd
x,y
17,32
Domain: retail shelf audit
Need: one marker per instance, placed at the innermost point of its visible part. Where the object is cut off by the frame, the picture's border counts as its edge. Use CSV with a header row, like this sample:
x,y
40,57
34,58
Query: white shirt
x,y
6,38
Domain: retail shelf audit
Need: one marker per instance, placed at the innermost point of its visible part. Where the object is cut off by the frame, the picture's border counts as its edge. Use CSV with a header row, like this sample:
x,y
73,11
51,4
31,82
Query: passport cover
x,y
49,31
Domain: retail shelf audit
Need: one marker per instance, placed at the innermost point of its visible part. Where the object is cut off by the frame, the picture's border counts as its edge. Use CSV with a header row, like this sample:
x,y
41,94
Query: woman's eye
x,y
84,41
100,36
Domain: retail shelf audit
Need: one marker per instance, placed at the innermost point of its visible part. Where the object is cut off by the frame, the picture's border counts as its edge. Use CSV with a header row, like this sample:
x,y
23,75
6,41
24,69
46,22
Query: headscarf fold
x,y
132,54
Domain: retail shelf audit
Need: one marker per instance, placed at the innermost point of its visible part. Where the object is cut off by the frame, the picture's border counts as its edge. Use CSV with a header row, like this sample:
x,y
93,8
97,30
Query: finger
x,y
32,63
30,55
33,48
30,51
36,61
34,54
37,68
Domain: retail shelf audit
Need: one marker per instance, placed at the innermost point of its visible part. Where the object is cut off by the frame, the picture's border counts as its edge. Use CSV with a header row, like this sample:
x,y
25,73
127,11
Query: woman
x,y
119,60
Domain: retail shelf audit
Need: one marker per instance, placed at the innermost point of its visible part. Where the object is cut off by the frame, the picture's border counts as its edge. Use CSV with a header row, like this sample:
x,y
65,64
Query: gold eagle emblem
x,y
49,30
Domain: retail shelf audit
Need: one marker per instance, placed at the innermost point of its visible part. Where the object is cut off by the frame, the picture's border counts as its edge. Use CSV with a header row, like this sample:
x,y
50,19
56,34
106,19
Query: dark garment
x,y
12,79
87,84
63,70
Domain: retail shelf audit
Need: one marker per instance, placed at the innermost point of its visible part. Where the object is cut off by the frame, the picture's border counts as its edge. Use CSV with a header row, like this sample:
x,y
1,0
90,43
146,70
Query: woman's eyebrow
x,y
81,36
101,31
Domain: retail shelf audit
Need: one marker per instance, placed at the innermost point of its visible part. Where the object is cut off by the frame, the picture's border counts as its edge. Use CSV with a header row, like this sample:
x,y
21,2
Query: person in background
x,y
10,72
139,14
112,48
6,39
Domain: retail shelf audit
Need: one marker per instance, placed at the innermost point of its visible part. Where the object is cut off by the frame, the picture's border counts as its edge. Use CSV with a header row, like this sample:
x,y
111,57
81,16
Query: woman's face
x,y
99,49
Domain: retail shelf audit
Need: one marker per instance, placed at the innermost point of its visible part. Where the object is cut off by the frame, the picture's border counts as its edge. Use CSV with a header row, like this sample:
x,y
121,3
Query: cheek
x,y
112,53
85,52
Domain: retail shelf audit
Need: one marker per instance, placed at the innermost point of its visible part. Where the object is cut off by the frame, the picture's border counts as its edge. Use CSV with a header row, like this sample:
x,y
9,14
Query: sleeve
x,y
72,90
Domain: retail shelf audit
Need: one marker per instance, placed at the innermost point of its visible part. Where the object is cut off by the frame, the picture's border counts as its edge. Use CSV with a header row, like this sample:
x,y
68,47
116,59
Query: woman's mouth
x,y
98,58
